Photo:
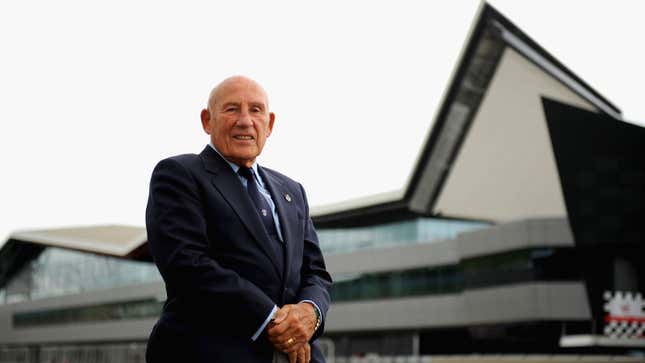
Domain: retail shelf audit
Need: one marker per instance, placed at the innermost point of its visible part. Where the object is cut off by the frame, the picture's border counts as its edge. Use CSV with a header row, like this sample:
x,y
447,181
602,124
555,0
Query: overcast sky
x,y
94,94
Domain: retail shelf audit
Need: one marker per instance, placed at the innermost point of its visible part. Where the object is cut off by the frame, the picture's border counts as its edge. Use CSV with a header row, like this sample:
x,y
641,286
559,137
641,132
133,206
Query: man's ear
x,y
271,121
206,120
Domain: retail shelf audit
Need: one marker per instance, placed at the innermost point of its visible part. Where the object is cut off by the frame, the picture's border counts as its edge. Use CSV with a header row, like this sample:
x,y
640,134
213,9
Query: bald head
x,y
234,82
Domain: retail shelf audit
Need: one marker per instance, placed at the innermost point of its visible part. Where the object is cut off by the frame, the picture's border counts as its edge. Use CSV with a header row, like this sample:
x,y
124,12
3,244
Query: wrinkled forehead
x,y
238,90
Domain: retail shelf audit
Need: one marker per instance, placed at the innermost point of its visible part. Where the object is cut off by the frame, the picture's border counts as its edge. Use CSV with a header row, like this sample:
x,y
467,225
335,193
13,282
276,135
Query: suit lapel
x,y
232,190
286,214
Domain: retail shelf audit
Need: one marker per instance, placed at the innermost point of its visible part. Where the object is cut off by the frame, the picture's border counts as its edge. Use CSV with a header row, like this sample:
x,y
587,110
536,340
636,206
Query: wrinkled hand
x,y
302,355
292,327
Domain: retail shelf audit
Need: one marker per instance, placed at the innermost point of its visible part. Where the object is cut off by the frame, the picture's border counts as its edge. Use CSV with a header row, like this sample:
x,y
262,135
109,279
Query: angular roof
x,y
497,60
113,240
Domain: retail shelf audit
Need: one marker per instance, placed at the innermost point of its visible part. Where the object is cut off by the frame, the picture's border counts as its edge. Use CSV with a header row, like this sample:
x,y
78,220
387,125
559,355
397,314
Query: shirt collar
x,y
236,167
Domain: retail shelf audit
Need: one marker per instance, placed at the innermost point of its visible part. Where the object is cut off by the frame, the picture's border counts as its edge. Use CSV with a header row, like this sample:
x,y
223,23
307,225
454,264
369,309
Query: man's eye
x,y
230,109
256,109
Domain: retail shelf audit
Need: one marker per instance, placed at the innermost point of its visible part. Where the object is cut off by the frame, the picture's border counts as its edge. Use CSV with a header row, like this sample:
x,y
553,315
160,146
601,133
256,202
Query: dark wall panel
x,y
601,162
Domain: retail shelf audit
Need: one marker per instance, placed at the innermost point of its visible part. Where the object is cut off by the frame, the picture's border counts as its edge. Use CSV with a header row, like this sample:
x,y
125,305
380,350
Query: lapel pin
x,y
287,197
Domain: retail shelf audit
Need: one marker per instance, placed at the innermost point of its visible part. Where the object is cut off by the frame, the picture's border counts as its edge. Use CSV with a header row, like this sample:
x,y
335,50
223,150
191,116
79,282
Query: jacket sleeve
x,y
315,281
178,241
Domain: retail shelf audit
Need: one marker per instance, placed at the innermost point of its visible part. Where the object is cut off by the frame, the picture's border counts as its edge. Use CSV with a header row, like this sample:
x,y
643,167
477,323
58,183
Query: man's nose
x,y
245,119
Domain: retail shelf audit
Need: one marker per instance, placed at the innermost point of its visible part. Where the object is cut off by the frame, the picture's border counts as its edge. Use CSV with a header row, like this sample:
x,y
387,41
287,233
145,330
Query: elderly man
x,y
245,277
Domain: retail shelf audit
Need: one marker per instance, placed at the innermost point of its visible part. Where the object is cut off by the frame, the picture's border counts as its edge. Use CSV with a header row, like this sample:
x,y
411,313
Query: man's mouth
x,y
243,137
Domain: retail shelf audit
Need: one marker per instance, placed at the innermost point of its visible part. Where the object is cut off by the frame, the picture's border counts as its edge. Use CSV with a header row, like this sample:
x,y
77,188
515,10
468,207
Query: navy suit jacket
x,y
221,273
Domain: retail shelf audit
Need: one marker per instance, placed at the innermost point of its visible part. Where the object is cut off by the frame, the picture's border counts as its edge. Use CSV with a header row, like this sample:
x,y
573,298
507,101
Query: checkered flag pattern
x,y
625,317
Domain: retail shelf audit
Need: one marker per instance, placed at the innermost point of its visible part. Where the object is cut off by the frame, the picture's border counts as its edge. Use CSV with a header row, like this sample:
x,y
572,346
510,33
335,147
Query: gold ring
x,y
290,341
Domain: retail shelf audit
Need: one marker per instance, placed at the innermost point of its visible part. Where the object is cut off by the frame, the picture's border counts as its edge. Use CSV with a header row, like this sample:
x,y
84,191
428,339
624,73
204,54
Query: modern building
x,y
519,231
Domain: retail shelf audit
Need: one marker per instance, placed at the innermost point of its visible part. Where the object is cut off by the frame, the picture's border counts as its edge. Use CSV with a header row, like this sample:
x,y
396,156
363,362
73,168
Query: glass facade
x,y
147,308
415,231
383,285
537,264
57,272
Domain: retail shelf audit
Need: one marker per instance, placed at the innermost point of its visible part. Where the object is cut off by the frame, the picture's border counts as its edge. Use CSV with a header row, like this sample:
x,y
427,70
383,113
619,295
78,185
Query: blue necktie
x,y
262,206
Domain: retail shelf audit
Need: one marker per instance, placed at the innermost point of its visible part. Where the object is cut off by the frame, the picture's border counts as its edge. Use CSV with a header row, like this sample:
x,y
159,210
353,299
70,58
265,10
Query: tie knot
x,y
245,172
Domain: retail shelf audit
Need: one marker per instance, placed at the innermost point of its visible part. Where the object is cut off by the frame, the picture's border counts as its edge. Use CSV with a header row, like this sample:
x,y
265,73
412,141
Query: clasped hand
x,y
292,327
